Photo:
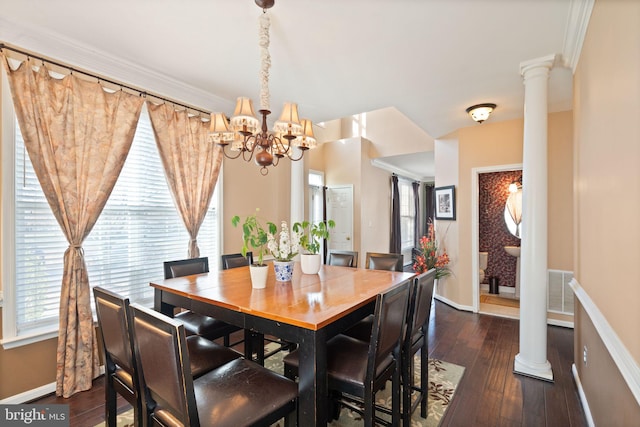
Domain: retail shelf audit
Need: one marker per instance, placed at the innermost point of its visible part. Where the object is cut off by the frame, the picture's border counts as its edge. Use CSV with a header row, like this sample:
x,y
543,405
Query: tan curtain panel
x,y
191,164
77,137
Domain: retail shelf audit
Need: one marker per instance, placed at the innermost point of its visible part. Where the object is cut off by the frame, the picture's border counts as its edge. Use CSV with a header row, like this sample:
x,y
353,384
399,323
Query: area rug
x,y
444,377
494,299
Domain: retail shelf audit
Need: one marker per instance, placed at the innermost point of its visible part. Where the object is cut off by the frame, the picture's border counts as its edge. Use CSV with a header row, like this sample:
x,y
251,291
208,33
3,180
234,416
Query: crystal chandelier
x,y
245,135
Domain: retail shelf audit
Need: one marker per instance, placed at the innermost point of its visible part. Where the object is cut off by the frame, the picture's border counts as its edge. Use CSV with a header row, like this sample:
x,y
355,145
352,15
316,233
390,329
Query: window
x,y
137,231
407,214
316,201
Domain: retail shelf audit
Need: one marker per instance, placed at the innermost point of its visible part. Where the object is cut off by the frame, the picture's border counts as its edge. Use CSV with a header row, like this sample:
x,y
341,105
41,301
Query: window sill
x,y
19,341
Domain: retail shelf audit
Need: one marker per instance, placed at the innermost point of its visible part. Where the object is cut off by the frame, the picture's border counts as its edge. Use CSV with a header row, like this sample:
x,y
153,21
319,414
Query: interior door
x,y
340,209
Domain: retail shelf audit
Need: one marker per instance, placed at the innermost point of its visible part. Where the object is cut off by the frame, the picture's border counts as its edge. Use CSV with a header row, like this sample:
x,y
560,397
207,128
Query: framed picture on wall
x,y
445,202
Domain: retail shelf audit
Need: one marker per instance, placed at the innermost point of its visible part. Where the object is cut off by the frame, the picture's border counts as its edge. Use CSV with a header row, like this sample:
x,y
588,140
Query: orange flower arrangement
x,y
429,257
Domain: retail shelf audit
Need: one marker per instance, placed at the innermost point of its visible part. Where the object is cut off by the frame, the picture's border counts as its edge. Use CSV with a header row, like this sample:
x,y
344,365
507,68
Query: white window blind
x,y
407,214
137,231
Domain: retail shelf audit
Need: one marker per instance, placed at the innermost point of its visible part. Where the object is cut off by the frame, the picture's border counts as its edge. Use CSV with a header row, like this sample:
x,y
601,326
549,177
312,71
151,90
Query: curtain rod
x,y
141,93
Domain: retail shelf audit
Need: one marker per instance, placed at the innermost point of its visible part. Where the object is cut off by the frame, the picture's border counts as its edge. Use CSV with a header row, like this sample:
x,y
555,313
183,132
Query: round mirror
x,y
513,212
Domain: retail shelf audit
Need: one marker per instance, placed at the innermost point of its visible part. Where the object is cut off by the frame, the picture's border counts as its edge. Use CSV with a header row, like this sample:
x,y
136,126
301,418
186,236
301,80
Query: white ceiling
x,y
430,59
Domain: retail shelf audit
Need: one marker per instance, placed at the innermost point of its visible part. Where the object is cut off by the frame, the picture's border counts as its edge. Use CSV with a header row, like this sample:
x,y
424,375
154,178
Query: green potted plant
x,y
254,236
311,240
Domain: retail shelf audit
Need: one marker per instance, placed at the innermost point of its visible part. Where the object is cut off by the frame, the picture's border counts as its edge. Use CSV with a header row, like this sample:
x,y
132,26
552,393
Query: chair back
x,y
420,304
121,368
343,258
113,318
384,261
236,260
164,359
388,326
185,267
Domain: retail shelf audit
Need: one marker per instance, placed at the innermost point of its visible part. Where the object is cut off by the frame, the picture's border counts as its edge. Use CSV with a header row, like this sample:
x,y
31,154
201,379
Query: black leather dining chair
x,y
122,373
196,323
236,260
374,261
416,339
384,261
238,393
356,369
343,258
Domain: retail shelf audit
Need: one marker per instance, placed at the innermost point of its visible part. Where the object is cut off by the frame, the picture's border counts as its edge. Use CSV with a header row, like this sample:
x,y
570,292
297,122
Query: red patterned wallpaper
x,y
493,233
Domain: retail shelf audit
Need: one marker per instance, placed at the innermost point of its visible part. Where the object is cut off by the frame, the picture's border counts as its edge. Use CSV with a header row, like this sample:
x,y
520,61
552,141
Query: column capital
x,y
545,62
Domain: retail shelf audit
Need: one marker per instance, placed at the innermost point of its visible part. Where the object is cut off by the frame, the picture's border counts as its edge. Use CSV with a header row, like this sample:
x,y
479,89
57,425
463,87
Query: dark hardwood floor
x,y
489,394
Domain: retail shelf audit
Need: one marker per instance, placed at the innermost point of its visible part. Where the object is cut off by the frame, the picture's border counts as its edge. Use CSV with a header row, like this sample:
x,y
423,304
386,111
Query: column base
x,y
540,371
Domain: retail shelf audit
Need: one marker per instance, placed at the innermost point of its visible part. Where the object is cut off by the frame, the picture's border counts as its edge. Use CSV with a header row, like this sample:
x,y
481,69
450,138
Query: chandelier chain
x,y
265,59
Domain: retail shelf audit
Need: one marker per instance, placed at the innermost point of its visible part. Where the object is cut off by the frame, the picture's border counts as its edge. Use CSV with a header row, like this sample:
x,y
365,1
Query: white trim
x,y
583,397
7,259
575,31
562,323
29,395
73,53
623,359
20,340
452,303
34,393
399,171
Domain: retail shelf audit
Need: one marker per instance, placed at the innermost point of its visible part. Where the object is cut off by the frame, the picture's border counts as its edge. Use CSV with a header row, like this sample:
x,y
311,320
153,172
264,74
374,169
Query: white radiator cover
x,y
559,293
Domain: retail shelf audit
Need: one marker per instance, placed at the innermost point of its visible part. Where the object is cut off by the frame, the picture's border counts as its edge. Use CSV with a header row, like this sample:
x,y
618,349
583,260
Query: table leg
x,y
312,380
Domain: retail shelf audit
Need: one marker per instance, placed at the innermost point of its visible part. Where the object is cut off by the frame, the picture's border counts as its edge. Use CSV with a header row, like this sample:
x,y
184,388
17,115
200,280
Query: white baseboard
x,y
30,395
562,323
35,393
583,397
501,289
453,304
629,368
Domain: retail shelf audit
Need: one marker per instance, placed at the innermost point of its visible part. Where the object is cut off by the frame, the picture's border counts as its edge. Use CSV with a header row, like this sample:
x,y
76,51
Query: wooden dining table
x,y
308,310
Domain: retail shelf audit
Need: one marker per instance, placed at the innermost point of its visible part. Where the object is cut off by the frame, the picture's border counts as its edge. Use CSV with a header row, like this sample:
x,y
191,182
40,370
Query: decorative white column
x,y
297,188
532,358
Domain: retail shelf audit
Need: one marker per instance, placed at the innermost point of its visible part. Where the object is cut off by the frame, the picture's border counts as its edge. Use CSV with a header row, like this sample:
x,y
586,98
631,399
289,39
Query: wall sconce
x,y
480,112
514,186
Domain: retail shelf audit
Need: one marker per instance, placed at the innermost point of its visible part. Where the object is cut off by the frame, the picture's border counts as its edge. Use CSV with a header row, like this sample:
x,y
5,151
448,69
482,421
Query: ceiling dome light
x,y
480,112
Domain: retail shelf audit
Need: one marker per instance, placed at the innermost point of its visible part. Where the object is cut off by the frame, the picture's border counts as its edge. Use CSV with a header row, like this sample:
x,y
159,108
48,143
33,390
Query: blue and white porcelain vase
x,y
284,270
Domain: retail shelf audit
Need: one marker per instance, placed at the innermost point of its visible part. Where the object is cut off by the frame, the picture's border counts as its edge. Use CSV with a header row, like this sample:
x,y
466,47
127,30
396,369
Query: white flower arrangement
x,y
283,245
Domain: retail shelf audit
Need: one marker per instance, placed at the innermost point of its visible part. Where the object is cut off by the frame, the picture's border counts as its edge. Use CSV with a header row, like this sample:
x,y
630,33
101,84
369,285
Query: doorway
x,y
340,209
499,262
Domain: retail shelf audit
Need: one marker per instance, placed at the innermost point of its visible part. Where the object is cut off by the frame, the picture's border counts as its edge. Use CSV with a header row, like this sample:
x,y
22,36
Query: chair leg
x,y
395,396
369,408
406,388
424,378
110,407
225,340
291,419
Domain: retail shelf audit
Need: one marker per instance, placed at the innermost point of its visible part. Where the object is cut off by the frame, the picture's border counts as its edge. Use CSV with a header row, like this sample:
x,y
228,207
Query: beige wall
x,y
376,206
27,367
560,191
607,199
448,232
494,145
244,190
348,162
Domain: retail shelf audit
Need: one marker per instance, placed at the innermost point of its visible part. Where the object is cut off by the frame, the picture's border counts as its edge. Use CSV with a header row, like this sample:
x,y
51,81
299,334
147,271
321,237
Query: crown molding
x,y
576,30
52,45
400,171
